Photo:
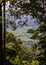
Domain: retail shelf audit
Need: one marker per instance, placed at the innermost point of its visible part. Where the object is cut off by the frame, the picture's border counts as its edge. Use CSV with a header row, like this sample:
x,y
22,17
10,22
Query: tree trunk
x,y
2,51
0,34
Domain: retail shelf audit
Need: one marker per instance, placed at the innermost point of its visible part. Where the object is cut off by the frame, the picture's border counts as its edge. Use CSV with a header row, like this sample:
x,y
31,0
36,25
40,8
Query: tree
x,y
39,12
2,46
16,52
1,33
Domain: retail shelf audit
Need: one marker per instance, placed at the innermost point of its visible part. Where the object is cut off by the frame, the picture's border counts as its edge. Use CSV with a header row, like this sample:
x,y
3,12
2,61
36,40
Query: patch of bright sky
x,y
7,5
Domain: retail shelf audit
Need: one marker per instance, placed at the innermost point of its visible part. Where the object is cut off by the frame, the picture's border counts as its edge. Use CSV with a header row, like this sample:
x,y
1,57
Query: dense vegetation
x,y
16,53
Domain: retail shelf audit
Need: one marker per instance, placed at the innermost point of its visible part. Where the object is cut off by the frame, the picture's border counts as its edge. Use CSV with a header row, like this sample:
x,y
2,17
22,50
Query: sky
x,y
31,22
21,30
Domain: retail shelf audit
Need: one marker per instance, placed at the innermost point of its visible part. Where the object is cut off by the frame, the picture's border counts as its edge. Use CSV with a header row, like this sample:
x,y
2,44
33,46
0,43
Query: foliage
x,y
10,38
11,1
35,62
39,12
30,31
1,1
35,35
17,53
